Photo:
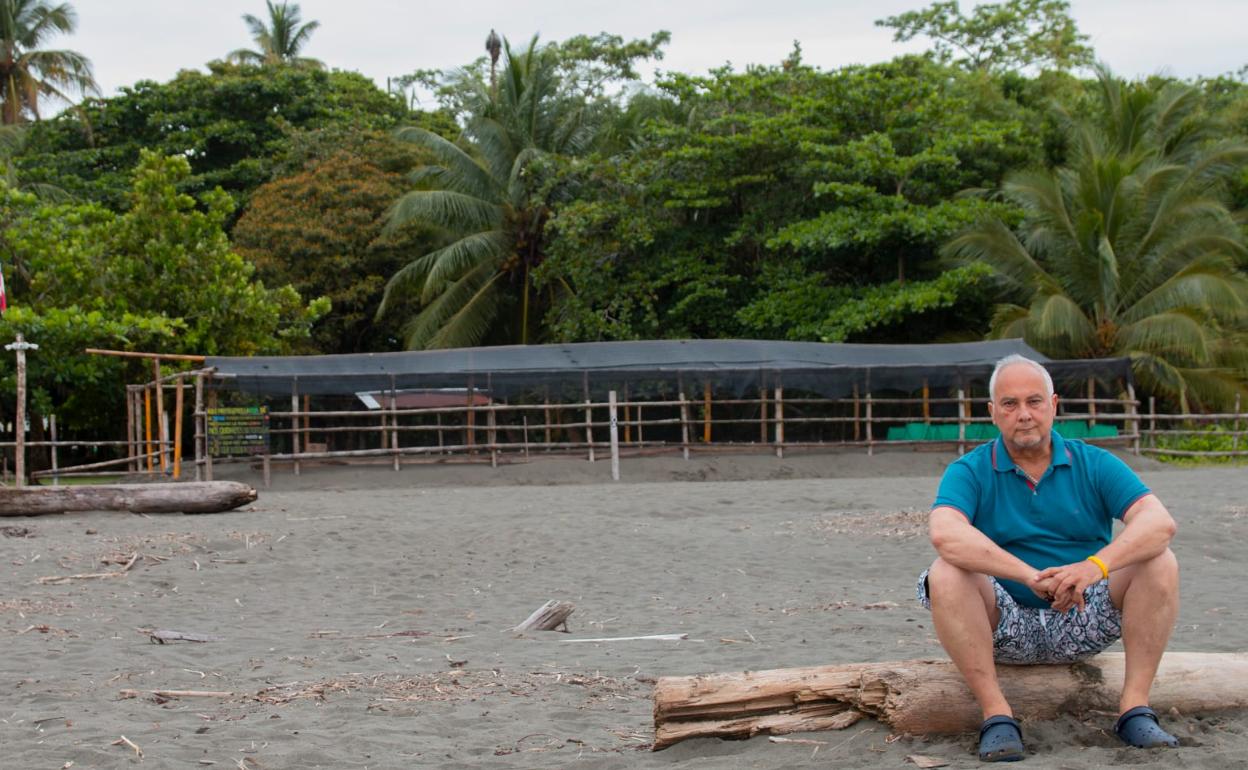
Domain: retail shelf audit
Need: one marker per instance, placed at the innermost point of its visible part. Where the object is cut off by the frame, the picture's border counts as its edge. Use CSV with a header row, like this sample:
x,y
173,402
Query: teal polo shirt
x,y
1064,519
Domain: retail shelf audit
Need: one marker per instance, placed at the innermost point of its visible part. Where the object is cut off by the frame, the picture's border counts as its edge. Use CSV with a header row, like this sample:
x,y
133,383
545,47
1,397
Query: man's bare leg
x,y
1148,595
964,611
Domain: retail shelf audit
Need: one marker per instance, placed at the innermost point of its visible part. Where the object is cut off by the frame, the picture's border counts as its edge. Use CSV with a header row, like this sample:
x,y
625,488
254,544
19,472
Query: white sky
x,y
132,40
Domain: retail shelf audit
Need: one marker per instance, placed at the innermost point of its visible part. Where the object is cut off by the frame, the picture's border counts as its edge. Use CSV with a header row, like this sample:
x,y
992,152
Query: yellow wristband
x,y
1097,561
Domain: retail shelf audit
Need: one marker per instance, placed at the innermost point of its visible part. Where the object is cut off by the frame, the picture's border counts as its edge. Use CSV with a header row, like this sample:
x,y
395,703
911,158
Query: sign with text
x,y
240,430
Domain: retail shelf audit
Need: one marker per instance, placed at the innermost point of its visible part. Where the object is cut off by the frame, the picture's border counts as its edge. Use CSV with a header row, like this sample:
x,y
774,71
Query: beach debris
x,y
60,579
165,635
549,617
880,606
803,741
410,633
173,497
923,761
920,697
17,531
651,637
124,741
171,694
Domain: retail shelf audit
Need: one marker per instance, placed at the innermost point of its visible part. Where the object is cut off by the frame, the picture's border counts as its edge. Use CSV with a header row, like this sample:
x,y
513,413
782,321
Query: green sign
x,y
241,430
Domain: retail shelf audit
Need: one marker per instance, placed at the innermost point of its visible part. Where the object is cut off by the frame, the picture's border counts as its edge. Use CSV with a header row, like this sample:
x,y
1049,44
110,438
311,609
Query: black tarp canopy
x,y
830,370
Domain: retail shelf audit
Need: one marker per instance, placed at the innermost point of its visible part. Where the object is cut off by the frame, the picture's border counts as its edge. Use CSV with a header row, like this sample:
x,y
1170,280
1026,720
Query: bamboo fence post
x,y
546,415
641,440
1091,401
200,433
857,432
779,422
177,430
628,427
706,412
762,412
615,436
870,432
56,479
492,434
525,419
961,421
147,424
927,406
684,424
470,433
394,423
131,450
1134,422
589,418
211,404
437,421
1235,427
160,413
294,423
1152,422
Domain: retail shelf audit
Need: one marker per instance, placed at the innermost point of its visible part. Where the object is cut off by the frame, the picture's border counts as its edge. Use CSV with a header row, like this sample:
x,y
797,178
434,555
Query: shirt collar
x,y
1002,462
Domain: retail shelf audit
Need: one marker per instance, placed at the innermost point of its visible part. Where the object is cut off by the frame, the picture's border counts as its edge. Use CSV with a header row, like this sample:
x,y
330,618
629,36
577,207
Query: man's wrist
x,y
1100,565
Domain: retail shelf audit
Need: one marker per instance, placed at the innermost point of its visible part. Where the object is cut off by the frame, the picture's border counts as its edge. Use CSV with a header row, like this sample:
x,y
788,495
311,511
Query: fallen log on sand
x,y
187,497
925,697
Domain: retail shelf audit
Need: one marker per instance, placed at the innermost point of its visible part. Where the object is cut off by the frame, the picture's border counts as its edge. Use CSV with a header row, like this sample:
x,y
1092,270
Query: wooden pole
x,y
147,424
1134,422
779,422
307,418
177,431
857,433
131,449
20,346
1234,428
470,434
684,425
961,421
394,423
589,417
210,403
1152,421
927,406
1091,401
492,422
870,433
546,415
762,413
200,425
641,438
706,412
56,479
294,423
161,430
628,428
615,437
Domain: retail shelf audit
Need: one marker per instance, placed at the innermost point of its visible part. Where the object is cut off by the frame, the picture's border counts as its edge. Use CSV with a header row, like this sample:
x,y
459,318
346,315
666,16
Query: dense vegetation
x,y
995,186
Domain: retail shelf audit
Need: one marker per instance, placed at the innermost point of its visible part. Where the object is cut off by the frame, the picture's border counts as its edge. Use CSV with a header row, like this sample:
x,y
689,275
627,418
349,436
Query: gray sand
x,y
362,615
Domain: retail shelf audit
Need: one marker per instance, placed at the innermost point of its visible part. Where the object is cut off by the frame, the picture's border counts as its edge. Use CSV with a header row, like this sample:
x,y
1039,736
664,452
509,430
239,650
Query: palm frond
x,y
447,209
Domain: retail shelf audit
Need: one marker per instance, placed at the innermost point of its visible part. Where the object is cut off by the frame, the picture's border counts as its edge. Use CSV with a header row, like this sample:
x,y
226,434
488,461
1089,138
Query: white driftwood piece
x,y
548,617
187,497
924,696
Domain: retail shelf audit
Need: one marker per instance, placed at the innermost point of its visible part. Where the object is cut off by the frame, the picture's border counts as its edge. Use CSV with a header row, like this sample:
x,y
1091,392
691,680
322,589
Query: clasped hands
x,y
1062,587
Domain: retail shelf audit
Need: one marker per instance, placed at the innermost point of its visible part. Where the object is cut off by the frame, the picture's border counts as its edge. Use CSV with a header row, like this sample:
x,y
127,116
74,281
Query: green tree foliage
x,y
997,37
760,203
232,123
1129,249
489,192
320,230
280,39
161,276
28,71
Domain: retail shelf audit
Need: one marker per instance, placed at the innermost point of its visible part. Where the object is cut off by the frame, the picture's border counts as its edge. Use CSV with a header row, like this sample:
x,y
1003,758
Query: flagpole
x,y
20,346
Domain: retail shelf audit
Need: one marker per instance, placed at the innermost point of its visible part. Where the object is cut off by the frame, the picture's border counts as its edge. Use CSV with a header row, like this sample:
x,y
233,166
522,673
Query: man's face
x,y
1022,410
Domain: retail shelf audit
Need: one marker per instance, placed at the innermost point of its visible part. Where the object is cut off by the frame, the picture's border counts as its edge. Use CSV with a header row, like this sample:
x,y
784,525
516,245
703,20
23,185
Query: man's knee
x,y
1162,569
944,580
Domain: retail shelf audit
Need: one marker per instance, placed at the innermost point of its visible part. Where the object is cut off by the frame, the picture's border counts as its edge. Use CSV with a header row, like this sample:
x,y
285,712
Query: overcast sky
x,y
132,40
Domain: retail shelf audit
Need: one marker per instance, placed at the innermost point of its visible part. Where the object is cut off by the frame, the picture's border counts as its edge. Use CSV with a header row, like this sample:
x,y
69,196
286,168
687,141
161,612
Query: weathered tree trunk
x,y
925,697
187,497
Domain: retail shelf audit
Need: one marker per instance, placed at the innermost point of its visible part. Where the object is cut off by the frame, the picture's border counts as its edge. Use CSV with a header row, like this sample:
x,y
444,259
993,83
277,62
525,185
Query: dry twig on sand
x,y
124,741
59,579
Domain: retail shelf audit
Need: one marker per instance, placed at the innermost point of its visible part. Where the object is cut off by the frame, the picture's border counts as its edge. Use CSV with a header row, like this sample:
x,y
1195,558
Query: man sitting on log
x,y
1027,572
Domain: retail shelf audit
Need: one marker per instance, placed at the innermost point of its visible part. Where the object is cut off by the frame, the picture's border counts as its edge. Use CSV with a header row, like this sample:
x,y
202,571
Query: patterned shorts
x,y
1029,635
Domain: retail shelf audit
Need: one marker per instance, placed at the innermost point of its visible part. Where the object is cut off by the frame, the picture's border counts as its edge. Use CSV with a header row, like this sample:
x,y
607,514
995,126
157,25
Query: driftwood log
x,y
548,617
924,696
187,497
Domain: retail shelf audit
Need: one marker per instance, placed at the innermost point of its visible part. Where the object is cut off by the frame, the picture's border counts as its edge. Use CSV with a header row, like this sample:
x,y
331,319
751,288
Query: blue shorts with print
x,y
1029,635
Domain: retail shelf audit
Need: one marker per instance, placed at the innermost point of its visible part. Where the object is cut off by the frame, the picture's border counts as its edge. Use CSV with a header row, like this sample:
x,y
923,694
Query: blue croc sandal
x,y
1000,739
1139,727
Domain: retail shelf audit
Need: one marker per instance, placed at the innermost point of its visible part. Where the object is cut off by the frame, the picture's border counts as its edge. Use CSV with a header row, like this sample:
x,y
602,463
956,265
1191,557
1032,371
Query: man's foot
x,y
1000,739
1139,727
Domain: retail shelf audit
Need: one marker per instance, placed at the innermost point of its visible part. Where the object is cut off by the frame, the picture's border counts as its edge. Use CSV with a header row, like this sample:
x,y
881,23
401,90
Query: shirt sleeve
x,y
959,489
1117,484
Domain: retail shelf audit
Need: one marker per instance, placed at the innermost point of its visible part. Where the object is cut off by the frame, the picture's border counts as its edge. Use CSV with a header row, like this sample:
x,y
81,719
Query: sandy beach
x,y
358,617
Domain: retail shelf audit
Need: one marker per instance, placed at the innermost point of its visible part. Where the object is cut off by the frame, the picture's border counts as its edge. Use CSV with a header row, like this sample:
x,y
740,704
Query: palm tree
x,y
1128,249
280,40
28,72
483,193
